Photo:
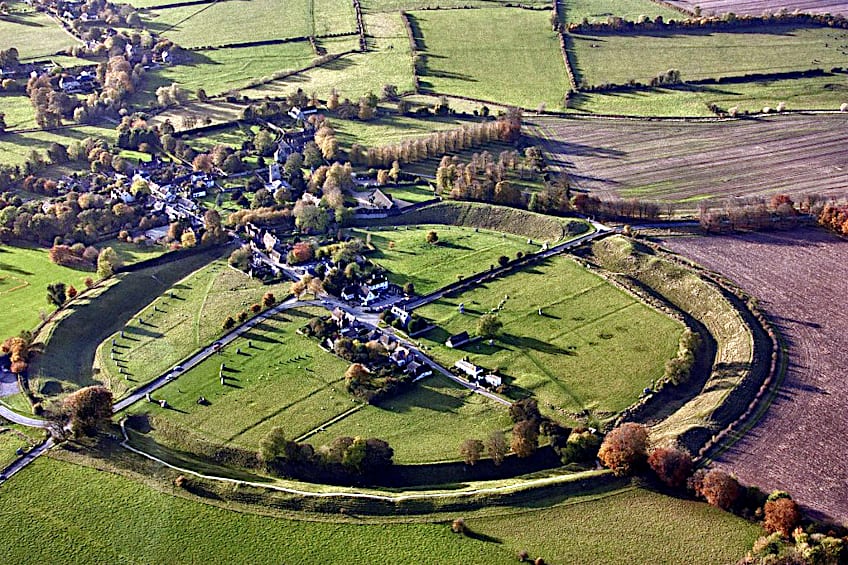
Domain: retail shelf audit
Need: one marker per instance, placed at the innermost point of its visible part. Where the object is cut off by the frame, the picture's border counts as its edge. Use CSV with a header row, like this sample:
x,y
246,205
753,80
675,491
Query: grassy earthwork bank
x,y
460,251
610,58
388,61
593,348
183,320
109,517
505,54
70,340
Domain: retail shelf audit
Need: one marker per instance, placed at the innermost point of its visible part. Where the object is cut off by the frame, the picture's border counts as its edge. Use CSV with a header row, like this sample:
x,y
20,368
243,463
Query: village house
x,y
472,371
493,380
401,314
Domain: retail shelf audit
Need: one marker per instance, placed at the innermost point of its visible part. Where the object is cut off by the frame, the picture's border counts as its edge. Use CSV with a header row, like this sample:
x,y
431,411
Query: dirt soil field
x,y
687,162
799,277
758,7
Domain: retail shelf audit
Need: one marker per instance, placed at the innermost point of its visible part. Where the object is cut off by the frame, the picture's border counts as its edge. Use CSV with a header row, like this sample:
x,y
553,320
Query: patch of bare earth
x,y
801,280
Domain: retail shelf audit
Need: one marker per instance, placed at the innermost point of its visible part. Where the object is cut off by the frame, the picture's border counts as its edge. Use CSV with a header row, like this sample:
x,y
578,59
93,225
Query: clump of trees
x,y
17,348
88,410
717,487
625,449
835,218
678,369
672,465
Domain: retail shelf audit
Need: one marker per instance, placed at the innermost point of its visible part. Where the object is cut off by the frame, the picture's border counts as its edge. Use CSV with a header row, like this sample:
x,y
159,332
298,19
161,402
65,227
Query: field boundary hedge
x,y
416,54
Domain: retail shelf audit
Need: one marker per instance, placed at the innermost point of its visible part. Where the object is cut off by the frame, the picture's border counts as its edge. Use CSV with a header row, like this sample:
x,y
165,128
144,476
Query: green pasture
x,y
35,35
602,10
15,147
410,193
459,251
181,321
506,55
610,58
14,437
102,516
593,347
388,61
370,6
18,110
391,127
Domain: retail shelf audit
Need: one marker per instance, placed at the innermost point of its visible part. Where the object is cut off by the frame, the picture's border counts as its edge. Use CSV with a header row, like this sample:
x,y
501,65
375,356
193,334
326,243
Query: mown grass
x,y
69,342
408,257
281,379
392,127
426,424
388,61
410,193
505,55
24,275
702,54
397,5
107,517
601,10
231,22
183,320
689,292
16,147
18,110
593,348
34,34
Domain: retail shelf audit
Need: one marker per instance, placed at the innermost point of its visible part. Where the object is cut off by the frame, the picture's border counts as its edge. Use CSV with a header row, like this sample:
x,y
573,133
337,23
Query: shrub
x,y
243,316
625,448
256,308
268,300
458,526
781,515
229,323
717,487
671,465
181,481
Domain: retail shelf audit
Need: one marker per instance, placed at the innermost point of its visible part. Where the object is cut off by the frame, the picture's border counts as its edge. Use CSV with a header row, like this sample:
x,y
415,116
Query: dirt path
x,y
799,277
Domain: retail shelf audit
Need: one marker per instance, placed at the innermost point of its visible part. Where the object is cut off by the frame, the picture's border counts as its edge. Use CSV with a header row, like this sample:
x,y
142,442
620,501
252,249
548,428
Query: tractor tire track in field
x,y
800,444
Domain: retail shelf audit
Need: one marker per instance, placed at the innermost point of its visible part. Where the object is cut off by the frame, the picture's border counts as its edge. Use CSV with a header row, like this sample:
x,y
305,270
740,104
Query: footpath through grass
x,y
592,348
102,517
460,251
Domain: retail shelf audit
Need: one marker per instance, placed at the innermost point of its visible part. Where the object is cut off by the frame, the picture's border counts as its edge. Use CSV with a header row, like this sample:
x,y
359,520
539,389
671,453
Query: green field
x,y
601,10
397,5
426,424
266,387
104,517
507,55
14,437
391,127
460,251
819,93
18,110
15,147
388,61
414,194
34,34
701,54
24,276
230,22
593,348
130,253
177,326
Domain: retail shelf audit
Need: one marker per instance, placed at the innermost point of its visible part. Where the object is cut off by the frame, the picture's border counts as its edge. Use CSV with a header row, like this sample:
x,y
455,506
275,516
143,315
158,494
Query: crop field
x,y
182,321
504,54
70,341
233,22
426,424
389,61
593,347
392,127
108,517
408,257
819,93
24,276
600,10
758,7
617,59
35,35
798,278
15,147
689,163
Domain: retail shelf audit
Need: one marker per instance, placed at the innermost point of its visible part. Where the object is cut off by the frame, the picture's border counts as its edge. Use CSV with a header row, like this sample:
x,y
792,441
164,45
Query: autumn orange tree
x,y
88,409
717,487
671,465
625,448
781,513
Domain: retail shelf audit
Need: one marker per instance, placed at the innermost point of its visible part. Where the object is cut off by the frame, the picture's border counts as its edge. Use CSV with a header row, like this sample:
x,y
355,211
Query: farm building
x,y
458,340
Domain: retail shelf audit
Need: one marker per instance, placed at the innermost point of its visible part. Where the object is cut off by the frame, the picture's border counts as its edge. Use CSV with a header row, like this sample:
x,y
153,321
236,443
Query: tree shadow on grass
x,y
525,343
425,398
134,330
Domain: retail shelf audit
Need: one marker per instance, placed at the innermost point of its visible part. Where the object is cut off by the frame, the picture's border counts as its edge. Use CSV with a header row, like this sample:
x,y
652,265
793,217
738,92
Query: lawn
x,y
426,424
391,127
280,379
593,348
15,147
388,61
459,251
601,10
703,54
410,193
130,253
104,517
506,55
35,35
24,276
180,322
233,22
18,110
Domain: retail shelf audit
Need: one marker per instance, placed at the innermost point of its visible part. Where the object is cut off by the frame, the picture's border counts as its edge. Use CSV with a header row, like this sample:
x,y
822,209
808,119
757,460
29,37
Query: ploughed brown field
x,y
801,280
759,7
689,162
